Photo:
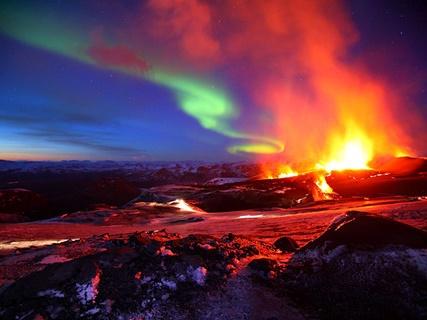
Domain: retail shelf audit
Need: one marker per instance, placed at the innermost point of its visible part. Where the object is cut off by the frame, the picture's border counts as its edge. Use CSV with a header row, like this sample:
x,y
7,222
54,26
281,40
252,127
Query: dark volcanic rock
x,y
263,264
54,277
286,244
17,205
153,275
254,194
362,230
53,194
404,166
369,183
148,196
110,190
12,218
362,267
264,268
187,220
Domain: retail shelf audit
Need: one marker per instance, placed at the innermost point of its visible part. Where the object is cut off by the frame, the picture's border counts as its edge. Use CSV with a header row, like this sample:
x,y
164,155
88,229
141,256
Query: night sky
x,y
208,80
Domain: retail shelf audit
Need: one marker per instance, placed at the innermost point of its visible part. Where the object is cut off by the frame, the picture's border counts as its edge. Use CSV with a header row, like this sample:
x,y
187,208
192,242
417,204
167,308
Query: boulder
x,y
286,244
263,264
368,231
362,267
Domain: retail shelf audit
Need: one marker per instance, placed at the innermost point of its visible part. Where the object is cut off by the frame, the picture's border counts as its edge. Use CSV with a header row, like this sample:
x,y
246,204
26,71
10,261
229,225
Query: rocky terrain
x,y
67,186
362,266
38,190
226,248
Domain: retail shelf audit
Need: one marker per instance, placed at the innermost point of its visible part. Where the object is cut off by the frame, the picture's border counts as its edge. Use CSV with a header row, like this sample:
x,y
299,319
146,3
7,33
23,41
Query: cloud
x,y
57,115
292,60
64,127
119,56
288,58
98,142
184,27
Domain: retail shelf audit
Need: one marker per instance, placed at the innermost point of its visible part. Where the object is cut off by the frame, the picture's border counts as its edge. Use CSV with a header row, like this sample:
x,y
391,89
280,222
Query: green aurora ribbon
x,y
210,106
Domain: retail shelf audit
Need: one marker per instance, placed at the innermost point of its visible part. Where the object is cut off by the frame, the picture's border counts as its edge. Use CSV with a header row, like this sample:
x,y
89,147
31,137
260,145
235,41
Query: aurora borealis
x,y
174,80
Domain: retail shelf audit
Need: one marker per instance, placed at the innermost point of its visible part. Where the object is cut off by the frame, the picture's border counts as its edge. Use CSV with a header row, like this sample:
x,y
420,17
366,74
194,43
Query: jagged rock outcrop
x,y
362,267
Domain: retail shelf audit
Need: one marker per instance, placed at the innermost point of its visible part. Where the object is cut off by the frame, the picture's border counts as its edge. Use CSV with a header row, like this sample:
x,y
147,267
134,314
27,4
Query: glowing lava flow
x,y
326,191
323,185
349,153
352,154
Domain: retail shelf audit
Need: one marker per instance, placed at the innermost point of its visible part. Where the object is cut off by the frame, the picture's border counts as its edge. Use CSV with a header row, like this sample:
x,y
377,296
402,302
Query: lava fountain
x,y
353,152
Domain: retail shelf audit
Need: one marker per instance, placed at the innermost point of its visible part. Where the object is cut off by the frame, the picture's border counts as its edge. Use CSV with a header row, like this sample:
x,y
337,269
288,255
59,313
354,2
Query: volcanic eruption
x,y
198,159
319,104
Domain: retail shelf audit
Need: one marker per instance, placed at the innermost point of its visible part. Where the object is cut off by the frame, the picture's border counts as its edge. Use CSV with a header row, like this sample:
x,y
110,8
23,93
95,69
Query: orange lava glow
x,y
279,171
285,171
353,152
323,185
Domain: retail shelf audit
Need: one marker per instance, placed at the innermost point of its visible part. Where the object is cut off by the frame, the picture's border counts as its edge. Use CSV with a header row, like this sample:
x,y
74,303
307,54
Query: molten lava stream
x,y
324,186
353,153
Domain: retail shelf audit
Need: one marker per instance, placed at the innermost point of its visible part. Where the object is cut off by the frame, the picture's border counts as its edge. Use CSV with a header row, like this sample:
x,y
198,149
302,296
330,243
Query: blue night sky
x,y
182,80
54,106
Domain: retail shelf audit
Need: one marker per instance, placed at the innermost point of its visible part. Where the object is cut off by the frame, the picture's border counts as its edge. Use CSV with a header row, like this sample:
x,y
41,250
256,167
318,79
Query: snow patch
x,y
92,311
221,181
251,216
166,252
87,292
206,246
169,283
8,245
51,293
198,275
179,204
53,259
182,205
419,257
